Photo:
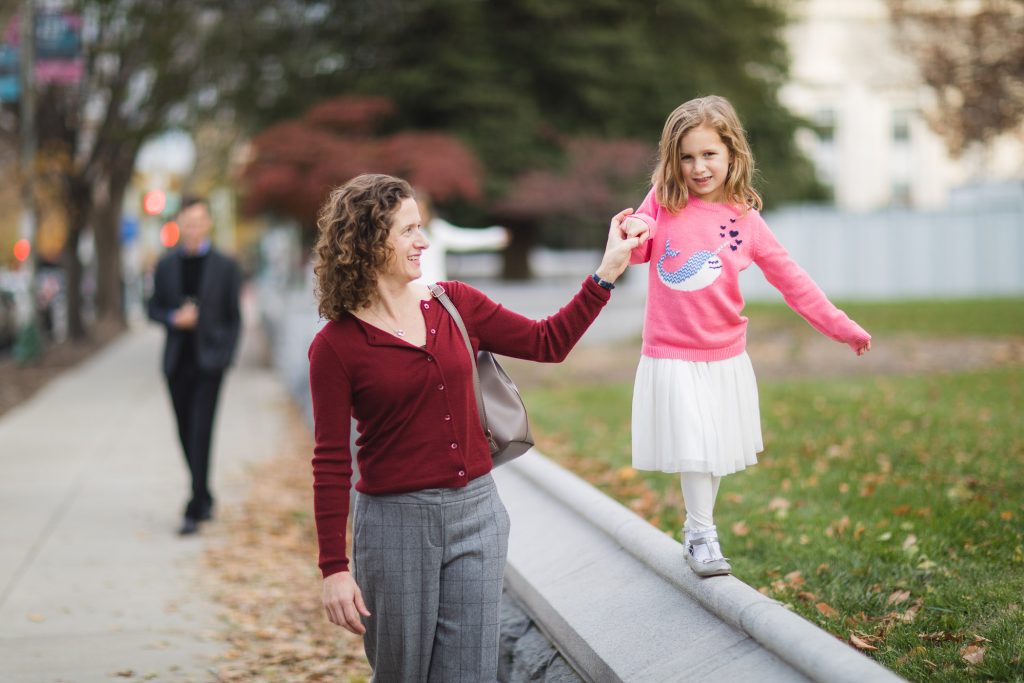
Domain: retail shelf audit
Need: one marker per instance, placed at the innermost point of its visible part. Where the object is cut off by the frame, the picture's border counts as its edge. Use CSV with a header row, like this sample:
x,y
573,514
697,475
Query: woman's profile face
x,y
407,242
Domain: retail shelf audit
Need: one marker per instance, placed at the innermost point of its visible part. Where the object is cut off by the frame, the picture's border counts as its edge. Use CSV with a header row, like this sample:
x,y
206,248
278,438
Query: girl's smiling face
x,y
705,162
407,242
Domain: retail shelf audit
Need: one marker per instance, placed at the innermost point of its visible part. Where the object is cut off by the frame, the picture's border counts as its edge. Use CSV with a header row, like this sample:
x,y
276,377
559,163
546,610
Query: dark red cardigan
x,y
415,406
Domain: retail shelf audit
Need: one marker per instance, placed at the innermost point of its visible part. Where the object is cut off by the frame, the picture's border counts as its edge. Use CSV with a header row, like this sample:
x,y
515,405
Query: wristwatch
x,y
603,283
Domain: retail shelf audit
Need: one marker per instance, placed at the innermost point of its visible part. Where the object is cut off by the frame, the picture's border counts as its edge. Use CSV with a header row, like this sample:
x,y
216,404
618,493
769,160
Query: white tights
x,y
699,492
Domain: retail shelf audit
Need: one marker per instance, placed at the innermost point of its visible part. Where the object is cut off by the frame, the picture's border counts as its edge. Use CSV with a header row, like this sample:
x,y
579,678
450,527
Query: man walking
x,y
195,296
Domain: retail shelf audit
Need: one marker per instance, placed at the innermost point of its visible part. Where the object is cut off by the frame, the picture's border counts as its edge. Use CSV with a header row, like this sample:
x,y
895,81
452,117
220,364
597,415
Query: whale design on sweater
x,y
699,271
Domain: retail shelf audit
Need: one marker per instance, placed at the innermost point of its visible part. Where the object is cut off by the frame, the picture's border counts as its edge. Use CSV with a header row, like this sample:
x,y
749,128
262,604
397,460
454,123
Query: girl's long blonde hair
x,y
717,112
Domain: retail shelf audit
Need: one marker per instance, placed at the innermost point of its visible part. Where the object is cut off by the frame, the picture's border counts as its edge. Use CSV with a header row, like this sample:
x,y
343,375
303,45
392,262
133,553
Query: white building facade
x,y
874,147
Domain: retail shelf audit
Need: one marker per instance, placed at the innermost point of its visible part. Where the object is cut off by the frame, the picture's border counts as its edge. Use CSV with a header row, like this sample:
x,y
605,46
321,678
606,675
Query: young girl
x,y
695,406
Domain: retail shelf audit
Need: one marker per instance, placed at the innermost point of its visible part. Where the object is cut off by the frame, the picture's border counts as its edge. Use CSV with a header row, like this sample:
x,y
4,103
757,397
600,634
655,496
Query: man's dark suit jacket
x,y
219,319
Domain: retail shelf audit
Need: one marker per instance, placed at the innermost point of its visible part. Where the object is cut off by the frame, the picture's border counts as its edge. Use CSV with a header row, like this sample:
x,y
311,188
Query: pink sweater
x,y
694,300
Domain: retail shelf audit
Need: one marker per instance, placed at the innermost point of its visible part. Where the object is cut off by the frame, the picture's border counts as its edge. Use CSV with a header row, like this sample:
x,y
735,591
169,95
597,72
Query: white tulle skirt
x,y
693,416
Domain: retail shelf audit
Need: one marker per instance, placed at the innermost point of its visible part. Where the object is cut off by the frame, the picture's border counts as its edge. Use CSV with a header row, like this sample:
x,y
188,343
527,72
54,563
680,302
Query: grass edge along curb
x,y
808,648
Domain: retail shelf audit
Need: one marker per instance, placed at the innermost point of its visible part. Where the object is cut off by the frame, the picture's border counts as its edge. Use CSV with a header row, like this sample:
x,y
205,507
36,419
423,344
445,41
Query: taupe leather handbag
x,y
502,413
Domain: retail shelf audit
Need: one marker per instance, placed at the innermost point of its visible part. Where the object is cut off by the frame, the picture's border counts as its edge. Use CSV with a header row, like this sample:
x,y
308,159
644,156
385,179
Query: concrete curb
x,y
800,644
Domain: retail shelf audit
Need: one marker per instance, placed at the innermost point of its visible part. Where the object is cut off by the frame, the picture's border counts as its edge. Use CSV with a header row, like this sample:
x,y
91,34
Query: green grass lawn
x,y
939,317
890,510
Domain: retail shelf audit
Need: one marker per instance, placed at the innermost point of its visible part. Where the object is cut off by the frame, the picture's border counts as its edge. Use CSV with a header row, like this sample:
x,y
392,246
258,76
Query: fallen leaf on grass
x,y
838,527
973,654
897,597
910,542
806,596
795,579
740,528
827,610
911,613
861,644
626,473
1006,515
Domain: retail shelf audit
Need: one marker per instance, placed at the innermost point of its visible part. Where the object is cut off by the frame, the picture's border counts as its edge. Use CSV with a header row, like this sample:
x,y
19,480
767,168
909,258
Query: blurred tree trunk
x,y
77,207
523,233
107,231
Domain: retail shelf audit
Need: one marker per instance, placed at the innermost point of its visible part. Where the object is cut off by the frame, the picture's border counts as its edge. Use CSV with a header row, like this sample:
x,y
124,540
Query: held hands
x,y
344,602
635,227
617,251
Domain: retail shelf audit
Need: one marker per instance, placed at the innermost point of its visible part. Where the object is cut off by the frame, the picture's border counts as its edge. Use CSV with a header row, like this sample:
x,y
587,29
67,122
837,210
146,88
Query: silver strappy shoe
x,y
715,565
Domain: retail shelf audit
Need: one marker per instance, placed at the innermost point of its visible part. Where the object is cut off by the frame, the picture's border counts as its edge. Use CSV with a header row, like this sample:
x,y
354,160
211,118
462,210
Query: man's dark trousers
x,y
194,393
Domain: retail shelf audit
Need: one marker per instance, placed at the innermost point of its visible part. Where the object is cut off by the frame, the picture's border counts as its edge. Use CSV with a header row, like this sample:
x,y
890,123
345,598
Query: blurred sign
x,y
8,74
58,57
129,229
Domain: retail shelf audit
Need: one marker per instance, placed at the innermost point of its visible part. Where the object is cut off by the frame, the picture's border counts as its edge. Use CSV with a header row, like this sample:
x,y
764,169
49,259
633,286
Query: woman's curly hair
x,y
352,246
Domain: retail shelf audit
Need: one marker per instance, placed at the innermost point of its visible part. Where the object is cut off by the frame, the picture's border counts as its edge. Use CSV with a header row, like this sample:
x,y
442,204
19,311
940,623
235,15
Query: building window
x,y
824,154
900,158
901,125
825,124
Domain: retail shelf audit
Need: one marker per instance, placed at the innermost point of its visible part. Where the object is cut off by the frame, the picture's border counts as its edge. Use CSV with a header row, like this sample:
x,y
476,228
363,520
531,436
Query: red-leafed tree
x,y
601,177
295,164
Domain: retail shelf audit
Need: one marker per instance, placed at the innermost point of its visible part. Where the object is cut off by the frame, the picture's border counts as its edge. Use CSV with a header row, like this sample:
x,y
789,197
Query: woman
x,y
430,532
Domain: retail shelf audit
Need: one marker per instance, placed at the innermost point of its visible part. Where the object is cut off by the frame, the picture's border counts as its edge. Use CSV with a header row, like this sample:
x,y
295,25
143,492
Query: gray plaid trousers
x,y
430,565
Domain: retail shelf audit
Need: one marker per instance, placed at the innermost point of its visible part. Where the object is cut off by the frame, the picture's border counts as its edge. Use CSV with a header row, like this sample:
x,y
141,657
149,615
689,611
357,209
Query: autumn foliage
x,y
599,177
295,164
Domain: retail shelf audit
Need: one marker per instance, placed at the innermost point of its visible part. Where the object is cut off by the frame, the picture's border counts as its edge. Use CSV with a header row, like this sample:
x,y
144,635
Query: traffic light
x,y
169,234
154,202
22,249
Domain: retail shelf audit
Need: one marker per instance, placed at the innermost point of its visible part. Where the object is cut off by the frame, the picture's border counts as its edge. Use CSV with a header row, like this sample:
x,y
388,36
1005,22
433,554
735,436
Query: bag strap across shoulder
x,y
438,292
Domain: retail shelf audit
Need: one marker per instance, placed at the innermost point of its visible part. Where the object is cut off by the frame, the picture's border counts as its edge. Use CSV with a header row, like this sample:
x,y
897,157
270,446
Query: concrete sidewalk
x,y
95,585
